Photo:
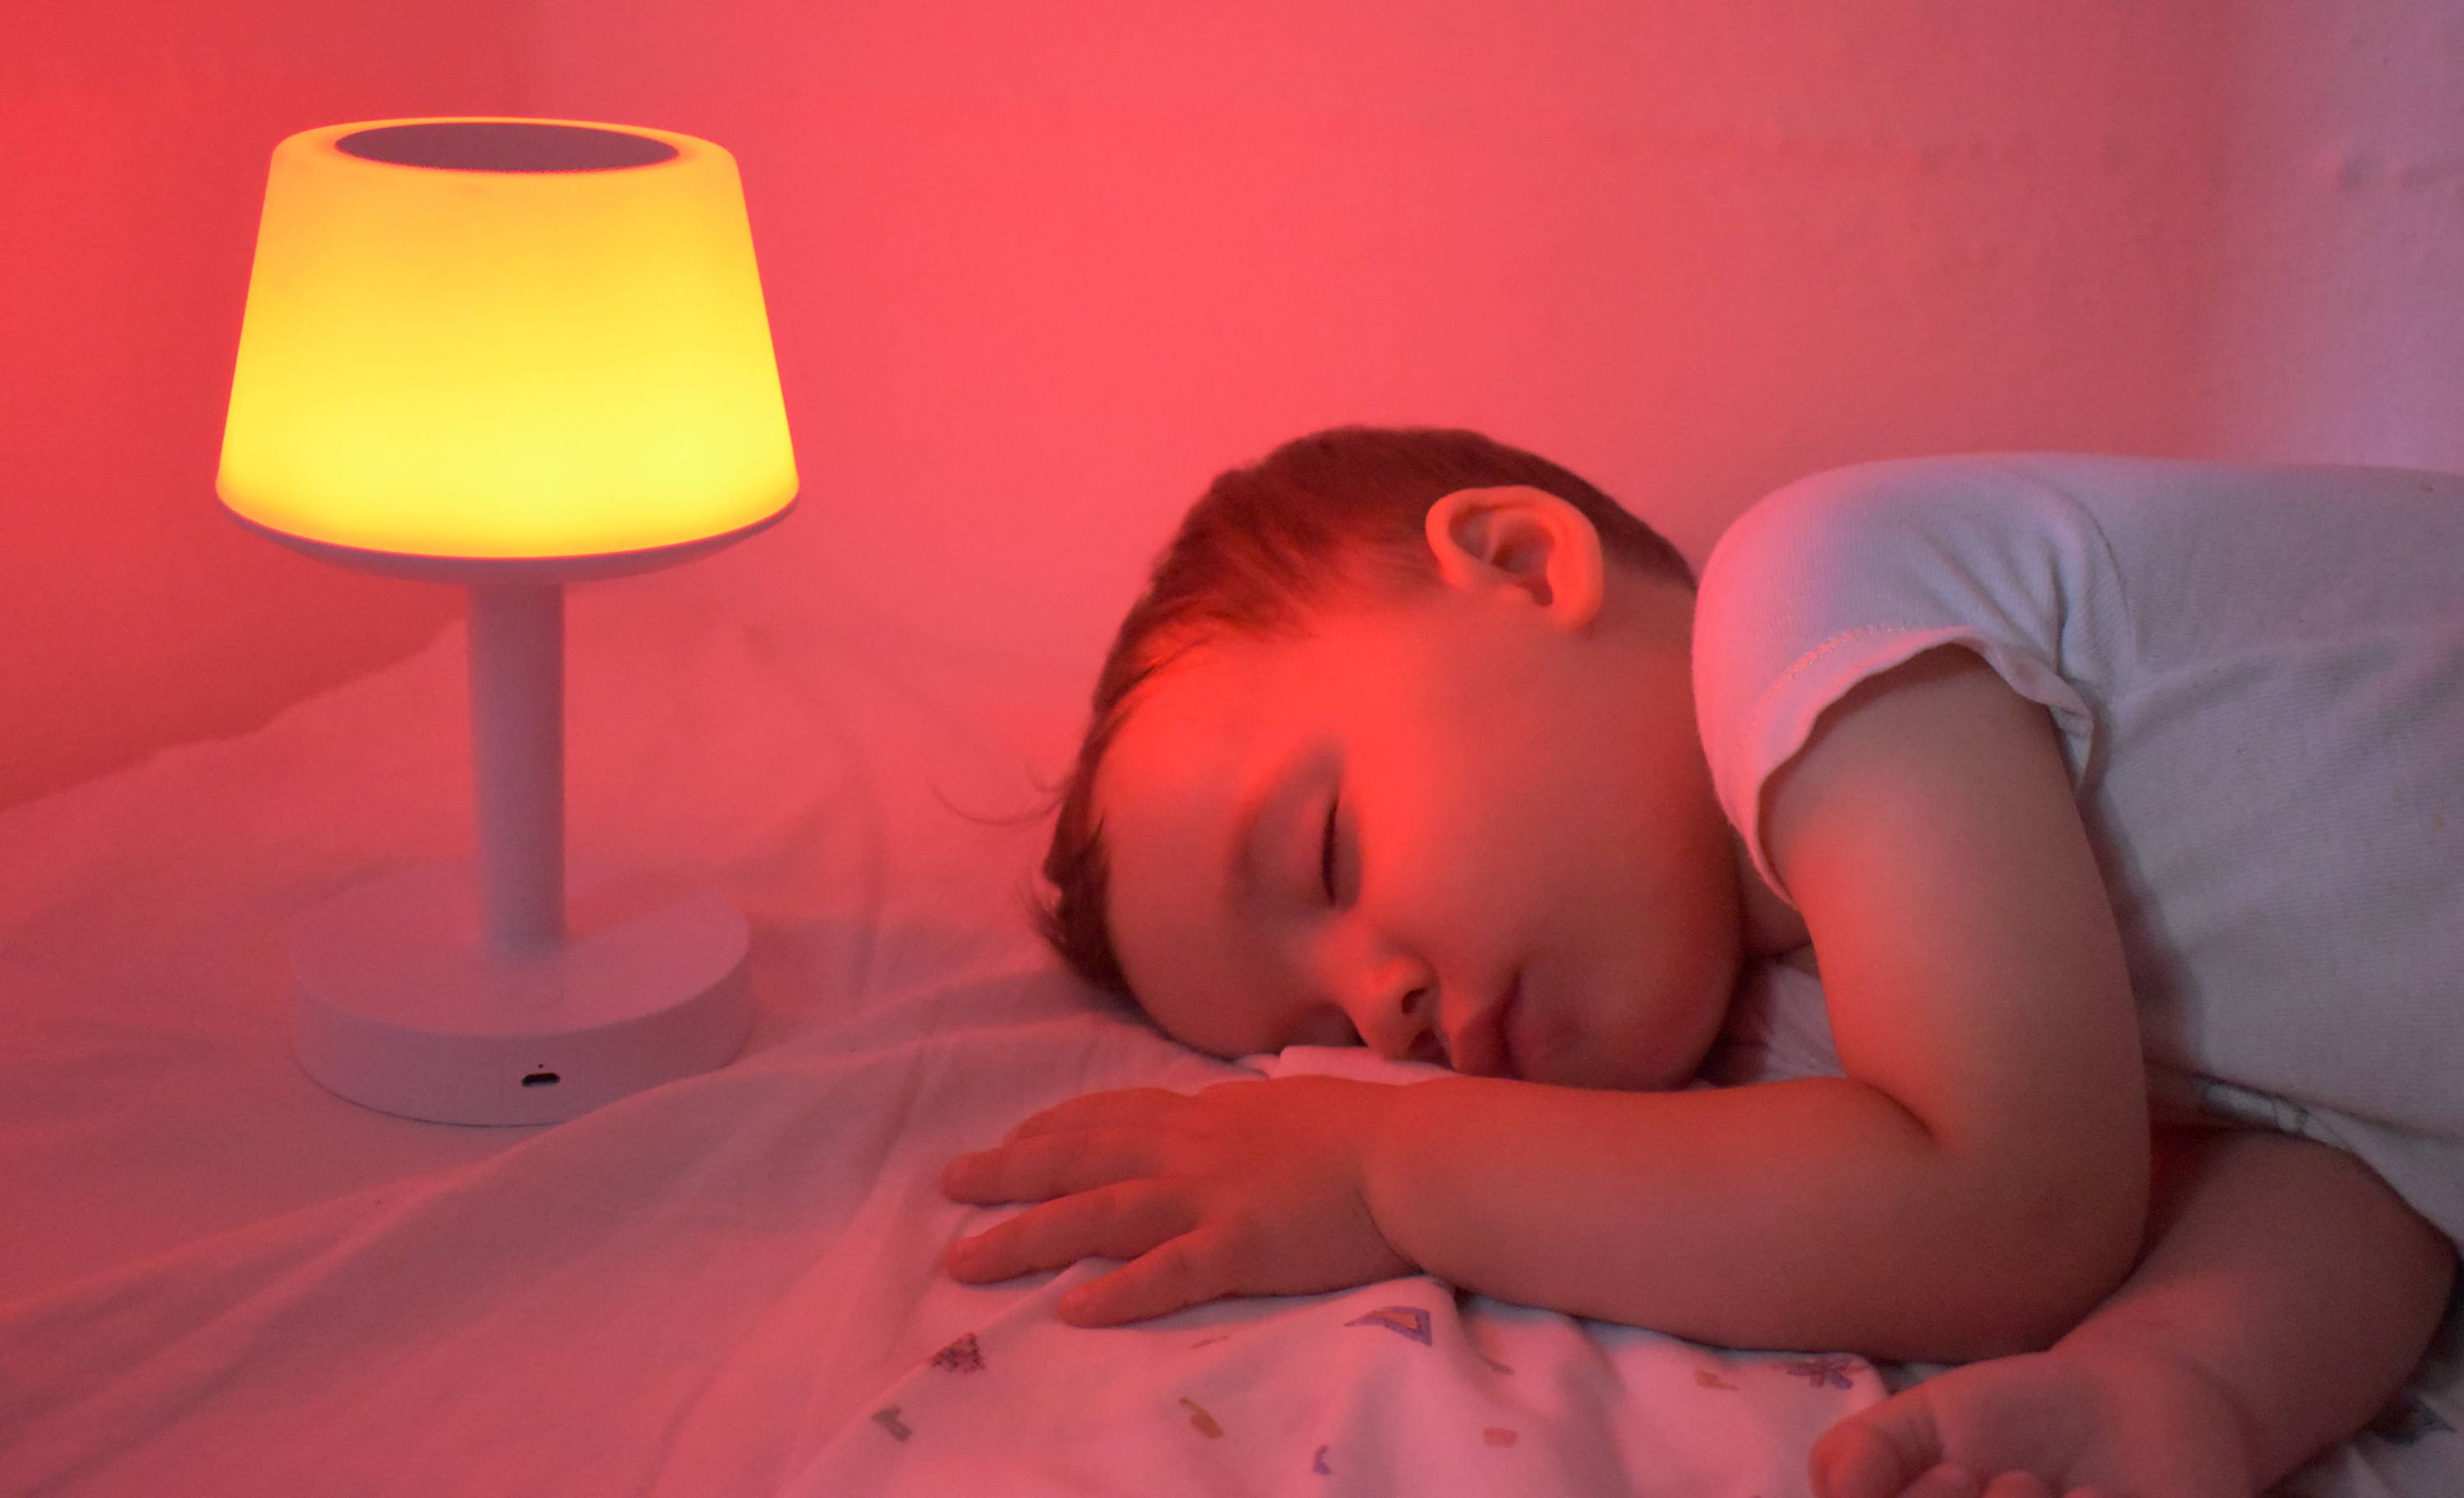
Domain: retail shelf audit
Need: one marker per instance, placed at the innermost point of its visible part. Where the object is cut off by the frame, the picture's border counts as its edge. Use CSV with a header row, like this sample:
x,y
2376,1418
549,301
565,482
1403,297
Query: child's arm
x,y
2290,1274
1974,1185
2286,1294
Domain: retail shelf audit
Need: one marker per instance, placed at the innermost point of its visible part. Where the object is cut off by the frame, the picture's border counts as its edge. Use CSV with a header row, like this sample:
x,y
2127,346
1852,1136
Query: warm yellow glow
x,y
504,363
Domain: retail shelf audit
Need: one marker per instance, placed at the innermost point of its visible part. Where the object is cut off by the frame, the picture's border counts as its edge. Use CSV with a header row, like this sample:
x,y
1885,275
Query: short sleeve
x,y
1849,573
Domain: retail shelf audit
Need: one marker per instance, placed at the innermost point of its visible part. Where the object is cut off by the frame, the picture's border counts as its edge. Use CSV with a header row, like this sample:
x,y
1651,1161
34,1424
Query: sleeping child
x,y
2118,803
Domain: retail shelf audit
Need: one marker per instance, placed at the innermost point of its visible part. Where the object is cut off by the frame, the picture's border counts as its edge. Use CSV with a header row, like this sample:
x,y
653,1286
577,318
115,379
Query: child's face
x,y
1530,876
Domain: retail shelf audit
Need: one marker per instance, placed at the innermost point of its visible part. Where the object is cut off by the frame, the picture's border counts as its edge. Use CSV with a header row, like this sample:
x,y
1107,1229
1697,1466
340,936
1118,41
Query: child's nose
x,y
1404,1027
1429,1045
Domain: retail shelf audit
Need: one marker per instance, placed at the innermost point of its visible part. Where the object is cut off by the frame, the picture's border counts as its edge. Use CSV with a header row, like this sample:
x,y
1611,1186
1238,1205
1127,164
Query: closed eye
x,y
1325,851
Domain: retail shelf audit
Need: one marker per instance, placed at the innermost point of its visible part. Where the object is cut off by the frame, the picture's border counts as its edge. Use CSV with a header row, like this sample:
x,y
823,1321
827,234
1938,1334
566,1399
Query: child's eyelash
x,y
1326,850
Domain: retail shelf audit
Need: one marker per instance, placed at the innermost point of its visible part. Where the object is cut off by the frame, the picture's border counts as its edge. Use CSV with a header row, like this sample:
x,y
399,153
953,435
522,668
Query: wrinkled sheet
x,y
218,1279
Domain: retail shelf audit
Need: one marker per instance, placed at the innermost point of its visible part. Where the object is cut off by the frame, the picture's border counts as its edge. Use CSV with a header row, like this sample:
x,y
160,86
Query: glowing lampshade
x,y
490,337
515,354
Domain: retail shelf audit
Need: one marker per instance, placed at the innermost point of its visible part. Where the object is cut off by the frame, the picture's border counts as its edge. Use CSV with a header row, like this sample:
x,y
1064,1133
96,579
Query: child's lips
x,y
1513,1030
1494,1039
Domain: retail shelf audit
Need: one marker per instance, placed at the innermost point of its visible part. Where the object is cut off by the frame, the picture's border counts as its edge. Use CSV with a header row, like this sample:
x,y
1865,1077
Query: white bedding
x,y
217,1278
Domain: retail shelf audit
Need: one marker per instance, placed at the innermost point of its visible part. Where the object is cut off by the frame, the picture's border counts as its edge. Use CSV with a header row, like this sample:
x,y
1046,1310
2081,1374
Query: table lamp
x,y
512,354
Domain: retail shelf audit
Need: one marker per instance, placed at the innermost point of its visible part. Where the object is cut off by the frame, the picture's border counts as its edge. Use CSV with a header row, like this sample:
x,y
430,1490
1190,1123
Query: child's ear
x,y
1522,538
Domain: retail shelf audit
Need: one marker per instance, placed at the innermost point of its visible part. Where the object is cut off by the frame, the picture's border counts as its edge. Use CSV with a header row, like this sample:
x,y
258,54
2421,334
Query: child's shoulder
x,y
1852,573
1909,544
2052,549
2134,511
1939,507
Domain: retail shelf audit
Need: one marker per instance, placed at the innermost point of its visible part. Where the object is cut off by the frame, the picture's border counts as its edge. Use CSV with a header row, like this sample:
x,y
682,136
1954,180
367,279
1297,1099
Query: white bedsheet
x,y
217,1278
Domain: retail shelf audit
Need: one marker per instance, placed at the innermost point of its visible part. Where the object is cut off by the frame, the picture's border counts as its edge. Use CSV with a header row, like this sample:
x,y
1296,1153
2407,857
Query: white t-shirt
x,y
2257,674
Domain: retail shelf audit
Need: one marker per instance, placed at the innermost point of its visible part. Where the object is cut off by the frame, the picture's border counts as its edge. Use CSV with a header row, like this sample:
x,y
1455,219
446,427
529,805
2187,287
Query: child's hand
x,y
1249,1188
2072,1421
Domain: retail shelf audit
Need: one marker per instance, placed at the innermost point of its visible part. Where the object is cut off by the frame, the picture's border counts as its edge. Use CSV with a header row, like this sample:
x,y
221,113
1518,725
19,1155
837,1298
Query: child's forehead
x,y
1350,663
1212,677
1199,717
1202,738
1232,688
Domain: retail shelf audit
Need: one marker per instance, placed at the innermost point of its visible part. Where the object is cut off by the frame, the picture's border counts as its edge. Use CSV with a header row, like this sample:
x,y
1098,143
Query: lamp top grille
x,y
504,145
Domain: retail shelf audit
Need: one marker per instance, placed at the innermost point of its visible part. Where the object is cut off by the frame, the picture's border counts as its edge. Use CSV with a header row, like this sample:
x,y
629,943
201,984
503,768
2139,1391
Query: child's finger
x,y
1881,1453
1117,1222
1945,1480
1182,1271
1049,1166
1125,1107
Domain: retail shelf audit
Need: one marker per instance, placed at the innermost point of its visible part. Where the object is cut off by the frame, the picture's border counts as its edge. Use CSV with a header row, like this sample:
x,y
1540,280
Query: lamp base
x,y
402,1005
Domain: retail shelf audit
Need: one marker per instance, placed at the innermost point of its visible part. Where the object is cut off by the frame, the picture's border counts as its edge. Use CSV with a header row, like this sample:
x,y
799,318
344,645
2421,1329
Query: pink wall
x,y
135,134
1036,271
1039,270
2337,315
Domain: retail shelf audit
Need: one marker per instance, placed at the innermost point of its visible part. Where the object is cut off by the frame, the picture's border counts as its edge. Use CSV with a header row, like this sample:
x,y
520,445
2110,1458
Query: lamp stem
x,y
518,760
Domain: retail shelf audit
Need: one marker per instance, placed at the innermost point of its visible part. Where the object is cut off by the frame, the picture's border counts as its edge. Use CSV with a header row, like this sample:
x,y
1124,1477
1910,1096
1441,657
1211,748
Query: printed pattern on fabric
x,y
1402,1386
